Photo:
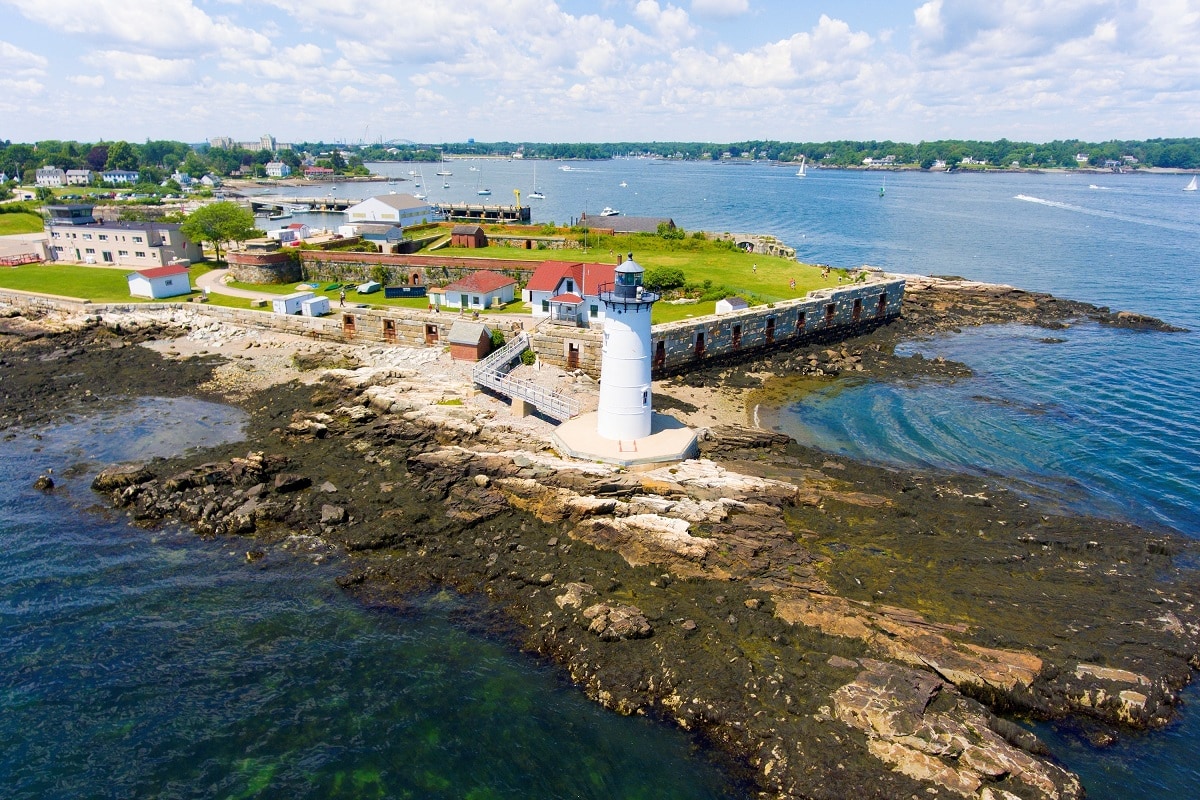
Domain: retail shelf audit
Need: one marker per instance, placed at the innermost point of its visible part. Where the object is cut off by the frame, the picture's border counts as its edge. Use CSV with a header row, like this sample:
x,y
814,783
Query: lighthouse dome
x,y
629,266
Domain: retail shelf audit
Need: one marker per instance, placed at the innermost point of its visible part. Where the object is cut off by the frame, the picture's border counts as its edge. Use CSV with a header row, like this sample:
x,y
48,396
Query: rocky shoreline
x,y
834,627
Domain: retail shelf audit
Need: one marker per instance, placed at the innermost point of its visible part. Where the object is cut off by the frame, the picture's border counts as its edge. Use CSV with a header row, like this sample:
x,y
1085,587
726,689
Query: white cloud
x,y
165,26
19,62
142,68
86,81
720,8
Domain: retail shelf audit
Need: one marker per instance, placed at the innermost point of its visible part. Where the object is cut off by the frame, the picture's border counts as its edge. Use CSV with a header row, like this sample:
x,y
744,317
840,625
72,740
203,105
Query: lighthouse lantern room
x,y
624,410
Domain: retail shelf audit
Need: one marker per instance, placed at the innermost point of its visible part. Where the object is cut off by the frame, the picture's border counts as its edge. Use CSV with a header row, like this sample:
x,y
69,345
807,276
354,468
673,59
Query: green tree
x,y
121,156
219,222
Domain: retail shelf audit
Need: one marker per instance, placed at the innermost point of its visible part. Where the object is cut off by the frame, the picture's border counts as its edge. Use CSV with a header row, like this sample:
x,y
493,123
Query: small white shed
x,y
159,282
731,304
290,303
315,306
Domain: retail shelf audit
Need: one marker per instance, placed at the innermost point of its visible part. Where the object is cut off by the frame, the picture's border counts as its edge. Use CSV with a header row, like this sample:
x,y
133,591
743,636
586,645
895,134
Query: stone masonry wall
x,y
823,315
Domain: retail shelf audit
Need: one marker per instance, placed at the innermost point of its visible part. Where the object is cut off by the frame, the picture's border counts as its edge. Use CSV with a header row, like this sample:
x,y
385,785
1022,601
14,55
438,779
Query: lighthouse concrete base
x,y
669,440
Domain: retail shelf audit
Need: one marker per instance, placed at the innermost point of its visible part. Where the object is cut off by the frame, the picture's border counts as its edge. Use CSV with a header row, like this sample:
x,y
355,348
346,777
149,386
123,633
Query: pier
x,y
452,212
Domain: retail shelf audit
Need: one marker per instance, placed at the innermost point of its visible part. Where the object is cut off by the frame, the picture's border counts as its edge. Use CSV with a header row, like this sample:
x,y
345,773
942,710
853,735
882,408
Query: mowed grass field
x,y
20,223
98,284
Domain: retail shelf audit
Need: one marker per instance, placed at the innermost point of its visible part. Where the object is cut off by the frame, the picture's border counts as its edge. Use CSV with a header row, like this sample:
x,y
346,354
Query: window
x,y
140,254
123,252
570,285
169,282
593,311
87,236
103,238
137,239
546,306
475,300
91,250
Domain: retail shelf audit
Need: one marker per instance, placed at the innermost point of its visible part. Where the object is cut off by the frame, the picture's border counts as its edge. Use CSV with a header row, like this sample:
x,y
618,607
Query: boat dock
x,y
453,212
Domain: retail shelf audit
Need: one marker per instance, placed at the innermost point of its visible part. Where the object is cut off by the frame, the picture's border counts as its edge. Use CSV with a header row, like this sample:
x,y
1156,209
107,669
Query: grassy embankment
x,y
21,222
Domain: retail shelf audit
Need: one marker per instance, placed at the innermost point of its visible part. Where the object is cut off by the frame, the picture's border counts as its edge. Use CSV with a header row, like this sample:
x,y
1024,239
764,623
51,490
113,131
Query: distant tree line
x,y
157,160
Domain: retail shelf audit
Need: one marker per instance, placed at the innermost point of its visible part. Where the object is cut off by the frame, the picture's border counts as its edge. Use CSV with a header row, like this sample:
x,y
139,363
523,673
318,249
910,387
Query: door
x,y
389,330
348,325
857,309
660,354
881,310
431,333
699,344
572,355
770,330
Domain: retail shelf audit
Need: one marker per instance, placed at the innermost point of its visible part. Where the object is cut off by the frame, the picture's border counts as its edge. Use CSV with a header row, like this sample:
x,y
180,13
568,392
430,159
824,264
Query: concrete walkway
x,y
214,282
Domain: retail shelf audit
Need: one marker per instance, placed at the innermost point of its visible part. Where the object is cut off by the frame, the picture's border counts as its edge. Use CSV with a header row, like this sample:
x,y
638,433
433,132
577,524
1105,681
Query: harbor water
x,y
149,663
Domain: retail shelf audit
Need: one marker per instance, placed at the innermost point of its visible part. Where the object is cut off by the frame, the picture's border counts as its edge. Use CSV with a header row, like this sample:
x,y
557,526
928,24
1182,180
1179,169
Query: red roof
x,y
482,281
588,277
161,272
566,298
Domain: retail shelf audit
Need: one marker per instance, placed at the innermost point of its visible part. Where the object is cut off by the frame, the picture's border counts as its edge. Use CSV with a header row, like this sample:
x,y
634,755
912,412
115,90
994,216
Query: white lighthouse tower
x,y
624,409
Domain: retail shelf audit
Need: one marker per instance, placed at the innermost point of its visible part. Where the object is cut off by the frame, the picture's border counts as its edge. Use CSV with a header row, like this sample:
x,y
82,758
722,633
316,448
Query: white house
x,y
51,177
159,282
402,208
480,290
122,176
568,291
210,180
278,169
79,177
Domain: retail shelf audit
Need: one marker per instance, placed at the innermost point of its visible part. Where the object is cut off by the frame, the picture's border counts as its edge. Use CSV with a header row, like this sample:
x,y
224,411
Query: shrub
x,y
661,279
497,338
528,357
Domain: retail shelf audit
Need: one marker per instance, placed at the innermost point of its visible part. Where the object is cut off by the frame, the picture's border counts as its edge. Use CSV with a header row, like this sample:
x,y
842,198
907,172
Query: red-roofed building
x,y
568,291
480,290
159,282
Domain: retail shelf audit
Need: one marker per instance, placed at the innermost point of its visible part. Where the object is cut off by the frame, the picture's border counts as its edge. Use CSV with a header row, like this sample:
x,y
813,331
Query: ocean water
x,y
1091,419
139,663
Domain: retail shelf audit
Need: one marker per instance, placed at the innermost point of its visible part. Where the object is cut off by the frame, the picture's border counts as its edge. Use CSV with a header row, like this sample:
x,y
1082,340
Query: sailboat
x,y
800,173
479,190
420,195
536,194
443,171
1191,187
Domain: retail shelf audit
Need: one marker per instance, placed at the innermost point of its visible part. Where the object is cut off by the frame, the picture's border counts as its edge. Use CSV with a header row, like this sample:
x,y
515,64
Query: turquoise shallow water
x,y
141,663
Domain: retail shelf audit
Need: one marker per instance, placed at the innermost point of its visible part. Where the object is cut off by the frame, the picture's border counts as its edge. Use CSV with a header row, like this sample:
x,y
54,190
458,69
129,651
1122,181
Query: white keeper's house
x,y
568,292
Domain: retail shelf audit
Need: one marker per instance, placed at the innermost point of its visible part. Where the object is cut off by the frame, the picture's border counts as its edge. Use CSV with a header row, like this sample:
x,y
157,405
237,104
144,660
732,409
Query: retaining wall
x,y
823,315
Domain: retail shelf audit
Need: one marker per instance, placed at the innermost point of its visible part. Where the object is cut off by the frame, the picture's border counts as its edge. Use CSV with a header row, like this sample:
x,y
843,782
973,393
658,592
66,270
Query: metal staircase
x,y
492,373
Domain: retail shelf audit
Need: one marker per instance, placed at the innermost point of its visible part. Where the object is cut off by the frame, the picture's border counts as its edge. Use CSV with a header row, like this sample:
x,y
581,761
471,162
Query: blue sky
x,y
609,70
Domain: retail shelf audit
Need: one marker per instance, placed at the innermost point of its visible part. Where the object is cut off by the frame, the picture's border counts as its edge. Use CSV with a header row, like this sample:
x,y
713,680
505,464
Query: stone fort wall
x,y
823,315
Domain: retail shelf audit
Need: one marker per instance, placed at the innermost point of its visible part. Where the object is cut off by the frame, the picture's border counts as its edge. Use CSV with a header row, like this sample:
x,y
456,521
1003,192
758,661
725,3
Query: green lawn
x,y
758,278
98,284
20,223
